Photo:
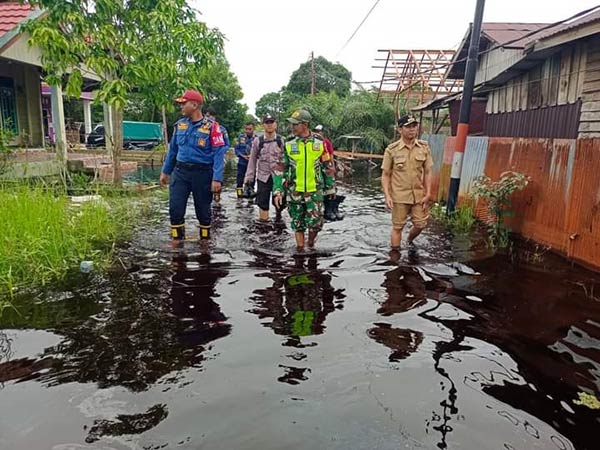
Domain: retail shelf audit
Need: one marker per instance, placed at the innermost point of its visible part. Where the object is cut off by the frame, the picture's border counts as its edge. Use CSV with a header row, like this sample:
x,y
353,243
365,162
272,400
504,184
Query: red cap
x,y
190,95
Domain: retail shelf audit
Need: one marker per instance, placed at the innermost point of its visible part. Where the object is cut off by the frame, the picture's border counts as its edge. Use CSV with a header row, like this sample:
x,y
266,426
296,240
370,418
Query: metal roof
x,y
492,33
502,32
593,16
12,14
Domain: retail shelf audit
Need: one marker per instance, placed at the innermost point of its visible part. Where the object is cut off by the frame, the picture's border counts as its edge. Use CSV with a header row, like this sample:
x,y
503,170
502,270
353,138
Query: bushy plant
x,y
6,137
497,195
460,221
45,235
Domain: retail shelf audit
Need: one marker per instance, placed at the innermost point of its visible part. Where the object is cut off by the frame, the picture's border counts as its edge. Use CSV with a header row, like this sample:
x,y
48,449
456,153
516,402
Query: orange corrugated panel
x,y
583,215
444,183
539,210
449,145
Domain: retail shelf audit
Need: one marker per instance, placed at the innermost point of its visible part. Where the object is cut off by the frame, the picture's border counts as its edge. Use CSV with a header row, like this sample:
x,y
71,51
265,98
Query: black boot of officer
x,y
336,205
329,209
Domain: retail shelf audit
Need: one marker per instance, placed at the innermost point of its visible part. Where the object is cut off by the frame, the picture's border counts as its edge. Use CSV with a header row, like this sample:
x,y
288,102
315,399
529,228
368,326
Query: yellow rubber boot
x,y
204,232
178,232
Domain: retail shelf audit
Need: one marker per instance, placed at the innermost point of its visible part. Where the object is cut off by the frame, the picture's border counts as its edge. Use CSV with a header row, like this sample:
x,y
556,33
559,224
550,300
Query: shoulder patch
x,y
182,126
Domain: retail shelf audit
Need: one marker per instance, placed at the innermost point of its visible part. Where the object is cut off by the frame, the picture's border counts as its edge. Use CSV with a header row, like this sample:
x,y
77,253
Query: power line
x,y
357,28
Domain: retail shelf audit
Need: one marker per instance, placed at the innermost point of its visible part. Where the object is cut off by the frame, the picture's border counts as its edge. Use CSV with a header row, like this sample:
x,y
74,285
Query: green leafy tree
x,y
221,91
359,114
270,103
329,77
156,48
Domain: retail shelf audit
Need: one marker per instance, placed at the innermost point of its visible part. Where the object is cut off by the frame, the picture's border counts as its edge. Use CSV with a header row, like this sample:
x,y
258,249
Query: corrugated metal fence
x,y
561,205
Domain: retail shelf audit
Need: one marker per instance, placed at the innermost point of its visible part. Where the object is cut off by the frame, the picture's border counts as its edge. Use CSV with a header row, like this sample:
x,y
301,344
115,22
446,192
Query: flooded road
x,y
247,347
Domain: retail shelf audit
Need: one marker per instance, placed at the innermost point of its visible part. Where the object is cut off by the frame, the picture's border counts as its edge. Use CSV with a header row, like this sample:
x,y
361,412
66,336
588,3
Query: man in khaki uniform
x,y
406,180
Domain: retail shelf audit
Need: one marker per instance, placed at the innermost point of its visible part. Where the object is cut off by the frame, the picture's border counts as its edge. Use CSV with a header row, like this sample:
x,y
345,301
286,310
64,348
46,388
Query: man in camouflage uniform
x,y
306,172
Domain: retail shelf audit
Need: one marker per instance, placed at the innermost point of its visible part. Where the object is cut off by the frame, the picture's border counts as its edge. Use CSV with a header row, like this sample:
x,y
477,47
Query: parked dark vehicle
x,y
136,136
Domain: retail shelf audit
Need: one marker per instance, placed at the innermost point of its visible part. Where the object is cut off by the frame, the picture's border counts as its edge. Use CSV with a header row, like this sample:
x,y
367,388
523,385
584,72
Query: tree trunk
x,y
117,131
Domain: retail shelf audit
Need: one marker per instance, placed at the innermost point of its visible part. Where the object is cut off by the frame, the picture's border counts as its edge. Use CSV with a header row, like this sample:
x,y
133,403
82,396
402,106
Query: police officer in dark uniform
x,y
194,164
243,149
210,113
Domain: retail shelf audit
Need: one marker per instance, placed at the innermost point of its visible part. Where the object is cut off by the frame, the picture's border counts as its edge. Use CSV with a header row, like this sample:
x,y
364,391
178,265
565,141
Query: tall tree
x,y
156,48
359,114
222,91
271,103
329,77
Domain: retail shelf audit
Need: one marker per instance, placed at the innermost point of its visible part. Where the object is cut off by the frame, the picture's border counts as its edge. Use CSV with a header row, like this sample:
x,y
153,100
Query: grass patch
x,y
460,221
44,235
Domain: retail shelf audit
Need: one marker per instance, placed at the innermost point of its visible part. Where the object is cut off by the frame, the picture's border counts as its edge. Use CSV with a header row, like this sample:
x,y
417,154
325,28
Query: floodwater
x,y
246,347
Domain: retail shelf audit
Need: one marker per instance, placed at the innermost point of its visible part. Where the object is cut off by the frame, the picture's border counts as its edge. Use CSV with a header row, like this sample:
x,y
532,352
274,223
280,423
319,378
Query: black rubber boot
x,y
338,199
328,209
248,191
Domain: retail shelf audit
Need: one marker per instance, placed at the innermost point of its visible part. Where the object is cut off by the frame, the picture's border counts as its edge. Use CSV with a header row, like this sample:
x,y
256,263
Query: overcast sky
x,y
268,40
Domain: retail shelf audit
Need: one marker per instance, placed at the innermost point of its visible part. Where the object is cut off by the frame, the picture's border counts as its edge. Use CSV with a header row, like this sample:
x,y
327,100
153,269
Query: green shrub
x,y
460,221
497,195
44,235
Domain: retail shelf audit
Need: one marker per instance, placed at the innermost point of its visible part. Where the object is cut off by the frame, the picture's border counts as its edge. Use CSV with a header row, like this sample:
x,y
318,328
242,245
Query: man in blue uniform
x,y
243,149
194,164
210,113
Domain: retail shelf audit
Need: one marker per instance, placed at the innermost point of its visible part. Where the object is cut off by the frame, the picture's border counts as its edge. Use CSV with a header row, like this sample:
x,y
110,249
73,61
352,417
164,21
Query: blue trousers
x,y
241,173
195,179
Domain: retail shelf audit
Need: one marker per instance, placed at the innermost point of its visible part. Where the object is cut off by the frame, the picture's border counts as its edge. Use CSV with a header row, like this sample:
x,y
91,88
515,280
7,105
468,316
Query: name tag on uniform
x,y
201,142
182,126
294,150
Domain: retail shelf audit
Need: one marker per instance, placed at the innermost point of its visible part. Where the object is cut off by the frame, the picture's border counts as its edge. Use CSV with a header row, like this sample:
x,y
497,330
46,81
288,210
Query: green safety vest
x,y
305,158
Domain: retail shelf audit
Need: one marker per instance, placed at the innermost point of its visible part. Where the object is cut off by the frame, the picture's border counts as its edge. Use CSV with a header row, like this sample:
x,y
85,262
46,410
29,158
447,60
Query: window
x,y
8,105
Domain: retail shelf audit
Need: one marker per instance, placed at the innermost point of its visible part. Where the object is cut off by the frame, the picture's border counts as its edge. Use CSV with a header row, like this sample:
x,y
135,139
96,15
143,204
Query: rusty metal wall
x,y
449,146
561,205
583,214
539,211
560,121
436,144
473,164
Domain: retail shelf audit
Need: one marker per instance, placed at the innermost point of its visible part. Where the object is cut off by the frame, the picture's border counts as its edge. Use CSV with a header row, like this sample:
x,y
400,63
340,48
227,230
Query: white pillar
x,y
87,117
58,118
108,123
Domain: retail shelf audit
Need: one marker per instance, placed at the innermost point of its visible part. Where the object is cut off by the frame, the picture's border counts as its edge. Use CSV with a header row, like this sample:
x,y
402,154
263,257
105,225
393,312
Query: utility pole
x,y
312,74
465,107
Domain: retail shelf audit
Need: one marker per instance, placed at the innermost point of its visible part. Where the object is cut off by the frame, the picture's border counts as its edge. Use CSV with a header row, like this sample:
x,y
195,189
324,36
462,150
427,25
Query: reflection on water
x,y
246,346
192,302
296,306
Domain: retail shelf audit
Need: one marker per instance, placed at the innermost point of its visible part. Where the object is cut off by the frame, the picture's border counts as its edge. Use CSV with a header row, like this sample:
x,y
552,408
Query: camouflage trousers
x,y
306,211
